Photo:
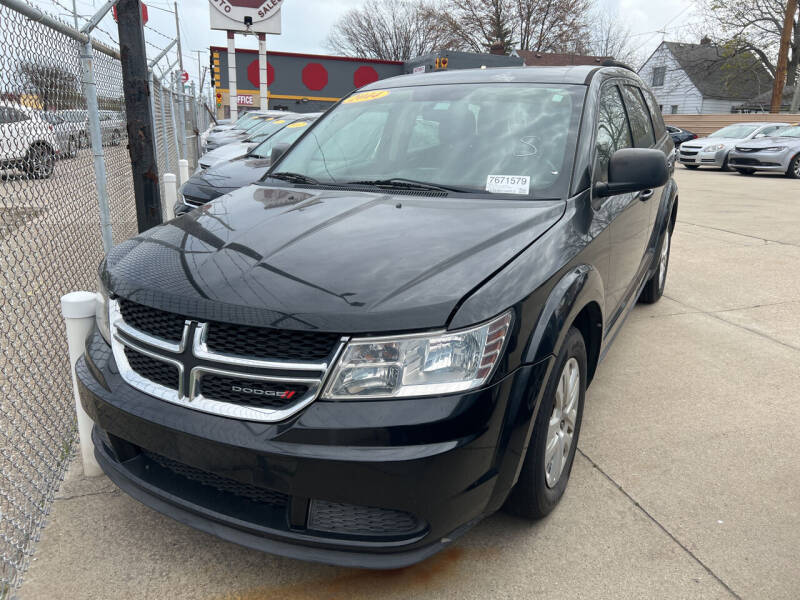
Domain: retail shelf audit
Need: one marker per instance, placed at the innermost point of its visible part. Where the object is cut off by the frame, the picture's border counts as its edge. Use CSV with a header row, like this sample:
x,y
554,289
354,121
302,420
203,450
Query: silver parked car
x,y
712,151
779,153
68,133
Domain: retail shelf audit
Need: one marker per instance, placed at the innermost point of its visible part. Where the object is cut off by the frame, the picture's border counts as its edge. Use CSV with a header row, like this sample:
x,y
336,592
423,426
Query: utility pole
x,y
233,91
141,144
199,72
178,37
783,56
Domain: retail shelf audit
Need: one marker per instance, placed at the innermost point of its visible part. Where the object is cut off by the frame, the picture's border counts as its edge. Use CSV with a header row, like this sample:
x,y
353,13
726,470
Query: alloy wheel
x,y
561,428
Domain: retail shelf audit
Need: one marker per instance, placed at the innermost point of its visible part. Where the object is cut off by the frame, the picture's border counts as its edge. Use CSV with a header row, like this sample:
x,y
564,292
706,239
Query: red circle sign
x,y
184,76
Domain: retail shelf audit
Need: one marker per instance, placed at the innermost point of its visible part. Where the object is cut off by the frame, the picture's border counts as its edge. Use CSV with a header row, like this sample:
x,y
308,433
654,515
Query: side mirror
x,y
634,170
278,150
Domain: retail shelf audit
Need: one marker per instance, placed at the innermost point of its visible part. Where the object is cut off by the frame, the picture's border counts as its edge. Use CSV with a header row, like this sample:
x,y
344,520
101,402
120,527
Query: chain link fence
x,y
50,244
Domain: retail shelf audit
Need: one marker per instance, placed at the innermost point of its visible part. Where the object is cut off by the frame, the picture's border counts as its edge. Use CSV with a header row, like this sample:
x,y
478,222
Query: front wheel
x,y
794,168
39,162
551,451
725,166
115,138
654,288
746,171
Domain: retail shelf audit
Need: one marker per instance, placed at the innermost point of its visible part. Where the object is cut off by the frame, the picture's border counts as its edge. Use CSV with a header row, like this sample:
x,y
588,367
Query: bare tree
x,y
479,25
390,30
753,25
552,25
609,36
56,86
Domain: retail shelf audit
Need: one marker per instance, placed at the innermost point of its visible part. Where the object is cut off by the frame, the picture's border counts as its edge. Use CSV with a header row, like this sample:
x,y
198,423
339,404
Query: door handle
x,y
646,195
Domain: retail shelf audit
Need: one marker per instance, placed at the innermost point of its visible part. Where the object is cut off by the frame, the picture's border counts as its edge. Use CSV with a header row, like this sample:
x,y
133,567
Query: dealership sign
x,y
256,16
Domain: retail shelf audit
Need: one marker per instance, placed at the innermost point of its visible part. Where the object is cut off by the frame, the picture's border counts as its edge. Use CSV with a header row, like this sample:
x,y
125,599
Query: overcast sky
x,y
306,24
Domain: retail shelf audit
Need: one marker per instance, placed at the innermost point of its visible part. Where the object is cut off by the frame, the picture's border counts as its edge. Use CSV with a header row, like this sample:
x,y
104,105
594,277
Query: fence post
x,y
78,309
183,170
170,195
181,117
164,125
96,137
137,109
174,124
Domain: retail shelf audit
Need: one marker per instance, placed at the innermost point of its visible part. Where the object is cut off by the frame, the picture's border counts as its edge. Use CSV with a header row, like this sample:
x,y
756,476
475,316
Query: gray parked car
x,y
112,125
77,118
712,151
778,154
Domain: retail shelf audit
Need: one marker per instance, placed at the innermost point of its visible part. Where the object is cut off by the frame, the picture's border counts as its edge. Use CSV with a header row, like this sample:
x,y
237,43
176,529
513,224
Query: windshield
x,y
736,132
498,138
265,129
789,132
287,135
244,122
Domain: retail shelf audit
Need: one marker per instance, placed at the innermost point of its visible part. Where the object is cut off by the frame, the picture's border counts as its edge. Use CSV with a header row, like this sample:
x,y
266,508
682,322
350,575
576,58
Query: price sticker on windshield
x,y
366,96
508,184
297,124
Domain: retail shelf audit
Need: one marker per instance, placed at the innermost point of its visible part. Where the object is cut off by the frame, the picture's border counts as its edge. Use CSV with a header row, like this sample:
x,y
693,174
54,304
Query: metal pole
x,y
141,143
95,135
262,71
181,116
75,13
174,126
196,125
178,37
199,71
232,89
164,139
152,107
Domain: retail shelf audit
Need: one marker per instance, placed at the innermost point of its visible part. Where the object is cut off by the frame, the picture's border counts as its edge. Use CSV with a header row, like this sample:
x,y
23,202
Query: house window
x,y
658,76
674,109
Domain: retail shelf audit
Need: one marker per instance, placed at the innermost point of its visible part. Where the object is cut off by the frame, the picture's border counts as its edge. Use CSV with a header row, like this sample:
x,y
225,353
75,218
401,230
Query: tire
x,y
725,166
794,168
115,138
39,162
538,489
746,171
654,288
692,167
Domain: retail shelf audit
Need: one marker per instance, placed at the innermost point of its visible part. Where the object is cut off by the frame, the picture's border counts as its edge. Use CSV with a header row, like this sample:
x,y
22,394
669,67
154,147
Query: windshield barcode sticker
x,y
508,184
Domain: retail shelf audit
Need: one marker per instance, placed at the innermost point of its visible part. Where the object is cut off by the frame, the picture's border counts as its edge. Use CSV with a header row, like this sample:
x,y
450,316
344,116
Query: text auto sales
x,y
263,10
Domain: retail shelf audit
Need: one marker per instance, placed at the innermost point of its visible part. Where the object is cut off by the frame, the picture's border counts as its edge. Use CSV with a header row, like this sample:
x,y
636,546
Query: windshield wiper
x,y
294,177
408,184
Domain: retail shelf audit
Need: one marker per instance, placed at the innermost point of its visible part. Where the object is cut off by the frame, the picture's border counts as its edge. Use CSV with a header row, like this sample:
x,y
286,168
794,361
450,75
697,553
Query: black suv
x,y
390,336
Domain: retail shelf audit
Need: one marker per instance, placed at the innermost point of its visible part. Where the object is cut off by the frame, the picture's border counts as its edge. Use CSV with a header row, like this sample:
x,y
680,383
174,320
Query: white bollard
x,y
170,196
78,309
183,169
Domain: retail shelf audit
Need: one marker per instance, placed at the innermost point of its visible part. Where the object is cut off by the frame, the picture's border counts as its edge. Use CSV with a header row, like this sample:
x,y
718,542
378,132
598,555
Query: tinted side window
x,y
641,124
613,131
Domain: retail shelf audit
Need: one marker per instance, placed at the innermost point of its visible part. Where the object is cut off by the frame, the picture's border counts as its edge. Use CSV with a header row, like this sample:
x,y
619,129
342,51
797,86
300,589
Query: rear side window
x,y
613,131
641,125
655,113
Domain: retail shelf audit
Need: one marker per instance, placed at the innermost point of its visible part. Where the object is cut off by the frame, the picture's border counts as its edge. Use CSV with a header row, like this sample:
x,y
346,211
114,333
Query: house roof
x,y
718,74
549,59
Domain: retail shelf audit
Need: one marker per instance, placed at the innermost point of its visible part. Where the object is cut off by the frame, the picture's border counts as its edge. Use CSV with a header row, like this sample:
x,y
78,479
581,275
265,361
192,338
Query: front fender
x,y
576,289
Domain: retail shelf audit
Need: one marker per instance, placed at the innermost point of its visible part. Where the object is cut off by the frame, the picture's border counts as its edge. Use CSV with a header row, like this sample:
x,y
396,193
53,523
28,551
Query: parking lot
x,y
686,485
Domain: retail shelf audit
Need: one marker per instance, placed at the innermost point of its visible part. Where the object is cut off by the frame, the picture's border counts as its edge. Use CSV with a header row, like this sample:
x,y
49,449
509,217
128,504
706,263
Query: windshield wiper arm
x,y
408,184
294,177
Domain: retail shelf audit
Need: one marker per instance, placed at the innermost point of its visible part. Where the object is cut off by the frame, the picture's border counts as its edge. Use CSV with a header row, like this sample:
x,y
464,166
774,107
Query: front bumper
x,y
396,480
777,162
695,156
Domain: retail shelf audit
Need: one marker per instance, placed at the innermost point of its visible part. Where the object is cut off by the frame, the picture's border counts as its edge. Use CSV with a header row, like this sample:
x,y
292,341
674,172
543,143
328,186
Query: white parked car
x,y
27,141
712,151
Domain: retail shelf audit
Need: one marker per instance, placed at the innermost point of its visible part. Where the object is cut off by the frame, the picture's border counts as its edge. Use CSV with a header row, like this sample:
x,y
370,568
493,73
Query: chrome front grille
x,y
187,372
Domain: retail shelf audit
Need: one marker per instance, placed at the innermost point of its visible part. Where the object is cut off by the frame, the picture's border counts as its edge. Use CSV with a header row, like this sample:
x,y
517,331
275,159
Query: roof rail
x,y
616,63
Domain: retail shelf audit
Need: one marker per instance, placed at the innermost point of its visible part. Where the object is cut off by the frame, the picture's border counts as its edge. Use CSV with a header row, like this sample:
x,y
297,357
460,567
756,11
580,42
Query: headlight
x,y
101,312
713,147
419,365
772,149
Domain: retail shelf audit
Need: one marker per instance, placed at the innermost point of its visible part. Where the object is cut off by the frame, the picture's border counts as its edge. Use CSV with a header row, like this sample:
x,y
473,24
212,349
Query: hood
x,y
708,141
789,142
229,152
341,261
226,137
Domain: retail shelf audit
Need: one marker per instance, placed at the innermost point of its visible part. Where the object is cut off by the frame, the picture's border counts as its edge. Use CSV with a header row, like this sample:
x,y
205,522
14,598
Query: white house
x,y
703,78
